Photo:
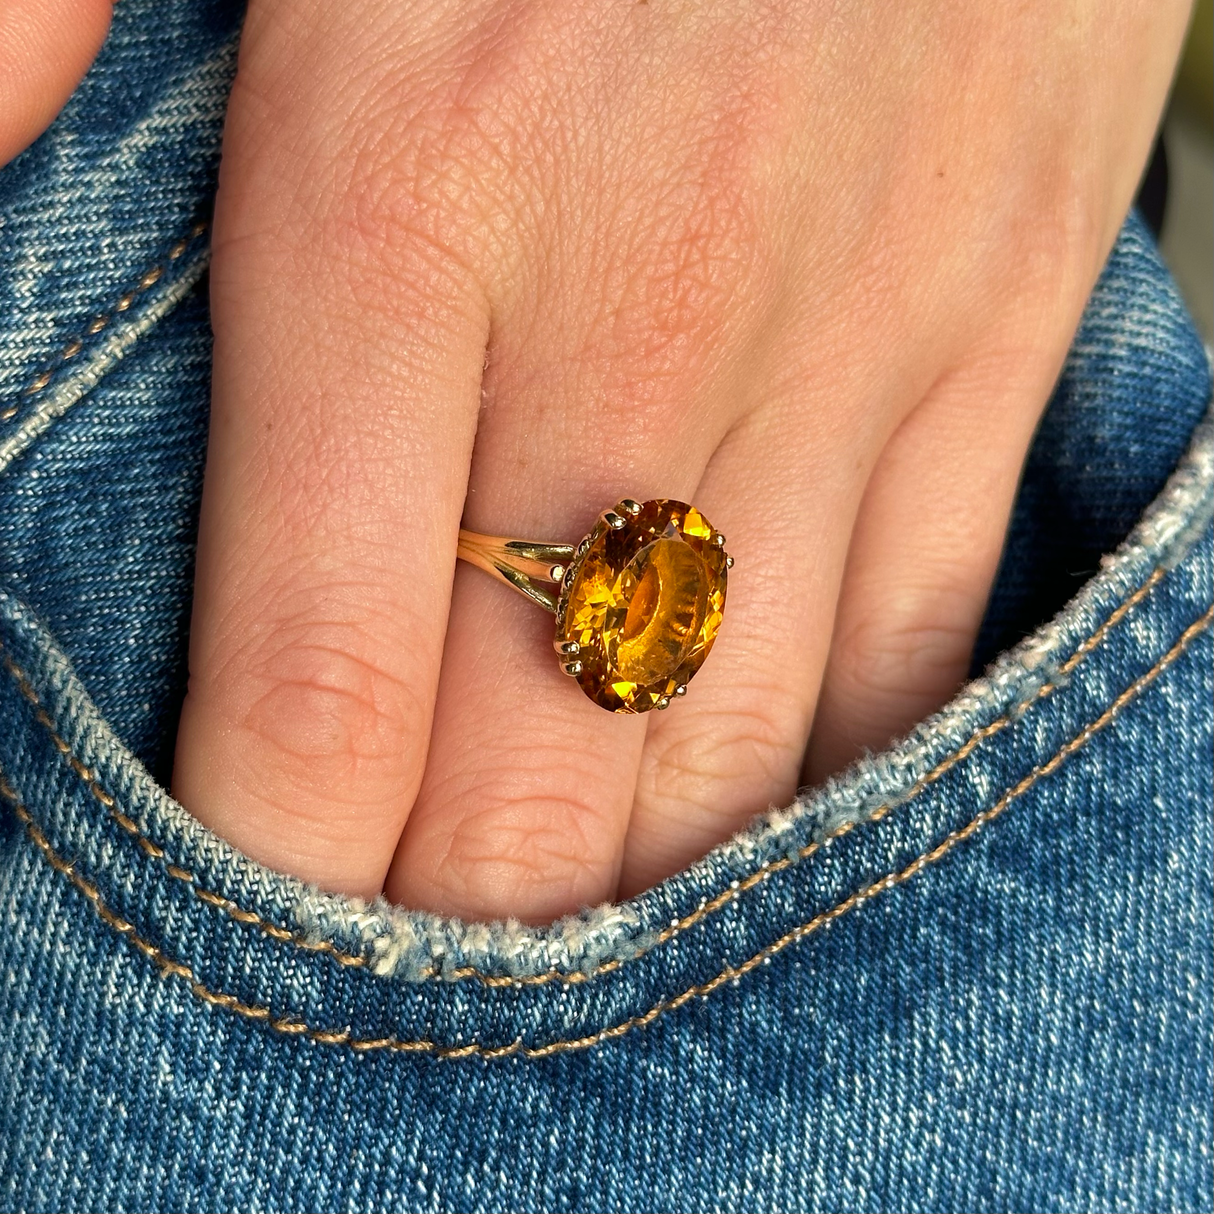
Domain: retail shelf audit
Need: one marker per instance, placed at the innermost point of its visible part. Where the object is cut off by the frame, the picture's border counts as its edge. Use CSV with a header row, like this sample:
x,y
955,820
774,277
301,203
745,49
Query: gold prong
x,y
719,540
664,702
613,520
572,669
629,507
729,562
568,649
556,572
681,689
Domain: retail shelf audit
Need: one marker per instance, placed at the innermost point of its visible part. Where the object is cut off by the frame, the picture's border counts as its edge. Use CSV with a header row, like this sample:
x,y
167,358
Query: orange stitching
x,y
572,978
154,850
147,279
979,735
292,1027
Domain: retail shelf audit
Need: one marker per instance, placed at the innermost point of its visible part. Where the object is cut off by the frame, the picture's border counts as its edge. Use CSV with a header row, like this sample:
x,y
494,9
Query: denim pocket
x,y
998,928
790,875
974,971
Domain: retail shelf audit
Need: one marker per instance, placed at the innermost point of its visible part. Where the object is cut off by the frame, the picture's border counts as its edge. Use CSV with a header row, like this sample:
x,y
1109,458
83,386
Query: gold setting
x,y
638,602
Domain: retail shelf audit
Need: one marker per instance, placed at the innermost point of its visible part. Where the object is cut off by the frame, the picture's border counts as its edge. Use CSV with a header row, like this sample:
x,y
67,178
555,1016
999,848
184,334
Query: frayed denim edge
x,y
410,944
413,946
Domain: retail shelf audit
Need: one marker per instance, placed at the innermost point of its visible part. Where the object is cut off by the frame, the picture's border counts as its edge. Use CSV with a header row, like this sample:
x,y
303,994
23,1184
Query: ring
x,y
638,601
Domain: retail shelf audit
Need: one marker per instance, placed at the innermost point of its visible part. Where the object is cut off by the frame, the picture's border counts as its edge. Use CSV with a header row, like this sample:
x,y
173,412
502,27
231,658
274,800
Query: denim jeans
x,y
973,972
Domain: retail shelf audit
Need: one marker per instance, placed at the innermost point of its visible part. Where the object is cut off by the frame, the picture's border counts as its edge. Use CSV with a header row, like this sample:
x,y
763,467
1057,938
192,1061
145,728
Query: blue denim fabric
x,y
1106,446
973,972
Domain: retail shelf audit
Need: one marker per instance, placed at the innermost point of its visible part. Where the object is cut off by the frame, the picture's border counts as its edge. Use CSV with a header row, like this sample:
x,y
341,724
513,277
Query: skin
x,y
46,47
810,265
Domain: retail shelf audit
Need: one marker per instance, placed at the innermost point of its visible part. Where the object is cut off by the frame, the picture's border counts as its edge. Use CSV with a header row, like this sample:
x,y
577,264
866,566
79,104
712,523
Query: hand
x,y
813,267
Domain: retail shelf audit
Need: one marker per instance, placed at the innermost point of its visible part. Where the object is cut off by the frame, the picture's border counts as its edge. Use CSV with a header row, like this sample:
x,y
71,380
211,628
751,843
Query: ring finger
x,y
786,493
528,786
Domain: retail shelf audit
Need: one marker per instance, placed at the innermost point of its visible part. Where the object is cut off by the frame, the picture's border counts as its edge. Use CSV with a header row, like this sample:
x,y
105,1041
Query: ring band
x,y
638,601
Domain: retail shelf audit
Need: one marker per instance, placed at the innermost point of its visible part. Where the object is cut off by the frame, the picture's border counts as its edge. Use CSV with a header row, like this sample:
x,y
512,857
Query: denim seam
x,y
703,911
51,407
297,1028
153,850
706,908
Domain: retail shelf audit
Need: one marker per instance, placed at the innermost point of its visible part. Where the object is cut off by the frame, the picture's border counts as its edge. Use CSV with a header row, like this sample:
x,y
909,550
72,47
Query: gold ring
x,y
638,601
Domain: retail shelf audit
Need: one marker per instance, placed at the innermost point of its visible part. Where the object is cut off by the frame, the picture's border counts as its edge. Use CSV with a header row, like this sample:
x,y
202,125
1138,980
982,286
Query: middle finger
x,y
529,785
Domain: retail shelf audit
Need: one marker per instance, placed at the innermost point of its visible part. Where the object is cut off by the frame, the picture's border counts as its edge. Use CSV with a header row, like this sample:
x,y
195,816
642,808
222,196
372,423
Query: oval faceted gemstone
x,y
643,602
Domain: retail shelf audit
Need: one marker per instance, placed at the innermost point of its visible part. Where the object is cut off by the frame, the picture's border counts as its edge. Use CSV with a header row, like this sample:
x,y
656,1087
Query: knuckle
x,y
749,747
546,852
1053,256
415,204
680,290
397,194
325,712
1043,243
426,180
909,651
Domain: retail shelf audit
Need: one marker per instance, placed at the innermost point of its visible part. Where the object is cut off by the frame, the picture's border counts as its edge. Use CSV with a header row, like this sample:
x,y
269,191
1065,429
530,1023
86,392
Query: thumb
x,y
46,46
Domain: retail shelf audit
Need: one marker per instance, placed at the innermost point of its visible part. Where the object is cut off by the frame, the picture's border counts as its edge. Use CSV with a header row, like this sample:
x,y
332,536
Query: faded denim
x,y
973,972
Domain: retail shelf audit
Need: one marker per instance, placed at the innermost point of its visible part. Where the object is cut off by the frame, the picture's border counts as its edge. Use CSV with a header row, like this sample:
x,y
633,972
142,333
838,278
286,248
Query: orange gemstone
x,y
643,603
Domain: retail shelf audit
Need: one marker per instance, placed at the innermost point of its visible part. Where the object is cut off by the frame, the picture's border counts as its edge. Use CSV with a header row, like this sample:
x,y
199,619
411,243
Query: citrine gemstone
x,y
643,602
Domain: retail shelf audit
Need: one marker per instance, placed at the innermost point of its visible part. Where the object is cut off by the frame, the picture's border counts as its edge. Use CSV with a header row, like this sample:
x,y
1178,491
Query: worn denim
x,y
971,973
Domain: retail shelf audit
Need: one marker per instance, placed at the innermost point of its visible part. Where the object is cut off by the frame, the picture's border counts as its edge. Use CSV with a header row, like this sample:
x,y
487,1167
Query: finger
x,y
529,784
931,529
348,357
46,47
924,553
621,351
734,745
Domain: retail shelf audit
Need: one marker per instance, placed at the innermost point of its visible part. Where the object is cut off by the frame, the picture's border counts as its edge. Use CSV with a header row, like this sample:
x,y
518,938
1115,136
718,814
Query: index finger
x,y
348,359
